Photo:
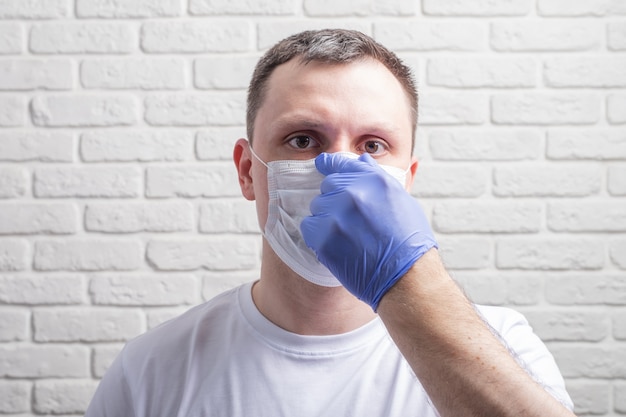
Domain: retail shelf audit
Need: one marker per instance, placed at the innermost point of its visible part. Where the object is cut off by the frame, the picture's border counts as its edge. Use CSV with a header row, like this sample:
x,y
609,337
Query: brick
x,y
31,74
476,8
481,145
43,361
29,218
84,110
616,34
13,111
587,216
619,395
617,250
550,254
136,145
463,181
128,9
500,289
590,71
544,180
15,396
590,397
453,109
217,143
20,146
538,35
35,9
601,144
145,74
144,290
230,72
430,36
616,108
214,253
586,289
617,180
158,316
215,283
63,396
545,108
196,36
619,325
217,179
87,255
14,325
271,31
88,181
482,72
228,216
14,254
465,253
86,324
42,289
103,357
11,38
359,8
13,181
248,7
590,361
139,217
581,7
487,217
82,38
575,326
221,109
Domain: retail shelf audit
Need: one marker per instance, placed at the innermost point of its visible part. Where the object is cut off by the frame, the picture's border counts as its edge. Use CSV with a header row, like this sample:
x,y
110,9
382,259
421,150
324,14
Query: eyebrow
x,y
304,122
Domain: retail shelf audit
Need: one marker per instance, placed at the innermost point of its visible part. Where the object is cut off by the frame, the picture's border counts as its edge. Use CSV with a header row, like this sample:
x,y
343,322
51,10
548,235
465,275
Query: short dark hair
x,y
333,46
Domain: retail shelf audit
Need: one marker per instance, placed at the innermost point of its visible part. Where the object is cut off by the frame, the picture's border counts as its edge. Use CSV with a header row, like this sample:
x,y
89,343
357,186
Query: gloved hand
x,y
365,228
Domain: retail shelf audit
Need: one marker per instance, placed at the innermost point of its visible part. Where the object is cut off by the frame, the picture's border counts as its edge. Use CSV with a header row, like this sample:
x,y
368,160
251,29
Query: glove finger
x,y
315,229
331,163
367,158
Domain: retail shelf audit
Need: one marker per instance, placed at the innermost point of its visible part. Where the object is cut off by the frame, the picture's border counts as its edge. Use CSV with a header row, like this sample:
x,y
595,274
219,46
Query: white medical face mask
x,y
292,185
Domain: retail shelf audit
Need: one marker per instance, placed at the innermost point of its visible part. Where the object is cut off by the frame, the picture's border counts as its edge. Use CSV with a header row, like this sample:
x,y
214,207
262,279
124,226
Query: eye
x,y
374,147
303,142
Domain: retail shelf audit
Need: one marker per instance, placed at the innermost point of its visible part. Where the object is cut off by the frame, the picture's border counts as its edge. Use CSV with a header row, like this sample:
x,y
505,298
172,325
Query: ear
x,y
243,163
412,172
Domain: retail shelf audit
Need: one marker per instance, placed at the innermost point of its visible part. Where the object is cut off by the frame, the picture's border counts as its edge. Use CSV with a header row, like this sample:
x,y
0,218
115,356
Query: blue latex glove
x,y
365,227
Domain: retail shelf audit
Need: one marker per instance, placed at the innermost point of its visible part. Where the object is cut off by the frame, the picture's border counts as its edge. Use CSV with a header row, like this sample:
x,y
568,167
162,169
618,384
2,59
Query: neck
x,y
298,306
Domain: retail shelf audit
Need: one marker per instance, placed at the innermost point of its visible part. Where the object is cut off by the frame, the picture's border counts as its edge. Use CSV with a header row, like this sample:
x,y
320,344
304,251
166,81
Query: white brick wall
x,y
120,208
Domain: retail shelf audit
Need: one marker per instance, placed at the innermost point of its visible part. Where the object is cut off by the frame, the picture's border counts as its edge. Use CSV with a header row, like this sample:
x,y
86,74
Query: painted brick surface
x,y
47,74
82,38
136,145
124,73
616,108
13,181
41,146
11,38
120,206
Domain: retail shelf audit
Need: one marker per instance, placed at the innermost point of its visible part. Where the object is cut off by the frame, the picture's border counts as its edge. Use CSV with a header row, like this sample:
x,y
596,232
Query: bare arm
x,y
464,368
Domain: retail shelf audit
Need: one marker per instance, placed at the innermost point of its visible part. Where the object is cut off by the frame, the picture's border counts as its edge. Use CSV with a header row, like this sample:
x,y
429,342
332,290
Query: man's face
x,y
308,109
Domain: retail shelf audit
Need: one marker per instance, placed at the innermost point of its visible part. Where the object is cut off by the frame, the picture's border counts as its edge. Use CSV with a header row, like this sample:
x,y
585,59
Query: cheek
x,y
261,212
261,197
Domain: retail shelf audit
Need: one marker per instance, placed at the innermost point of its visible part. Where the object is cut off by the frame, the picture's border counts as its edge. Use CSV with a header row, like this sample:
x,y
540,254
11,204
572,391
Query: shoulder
x,y
175,334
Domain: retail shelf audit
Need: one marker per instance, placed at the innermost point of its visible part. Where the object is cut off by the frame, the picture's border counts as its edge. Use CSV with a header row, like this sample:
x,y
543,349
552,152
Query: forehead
x,y
363,86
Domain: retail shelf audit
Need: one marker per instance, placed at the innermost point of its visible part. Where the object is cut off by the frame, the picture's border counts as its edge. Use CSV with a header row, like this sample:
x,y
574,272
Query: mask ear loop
x,y
257,156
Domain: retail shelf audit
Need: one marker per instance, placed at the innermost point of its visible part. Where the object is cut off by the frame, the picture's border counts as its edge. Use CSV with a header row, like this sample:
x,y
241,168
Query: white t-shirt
x,y
223,358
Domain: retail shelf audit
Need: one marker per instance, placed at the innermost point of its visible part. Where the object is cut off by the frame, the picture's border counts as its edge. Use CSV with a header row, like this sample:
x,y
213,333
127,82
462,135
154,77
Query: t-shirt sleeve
x,y
112,397
531,353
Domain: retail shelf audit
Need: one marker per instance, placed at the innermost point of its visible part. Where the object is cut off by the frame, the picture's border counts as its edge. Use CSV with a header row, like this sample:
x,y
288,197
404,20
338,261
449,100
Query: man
x,y
353,313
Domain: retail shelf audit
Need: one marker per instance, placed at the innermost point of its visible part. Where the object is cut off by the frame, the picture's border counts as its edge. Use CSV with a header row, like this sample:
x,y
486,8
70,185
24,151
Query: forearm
x,y
462,365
